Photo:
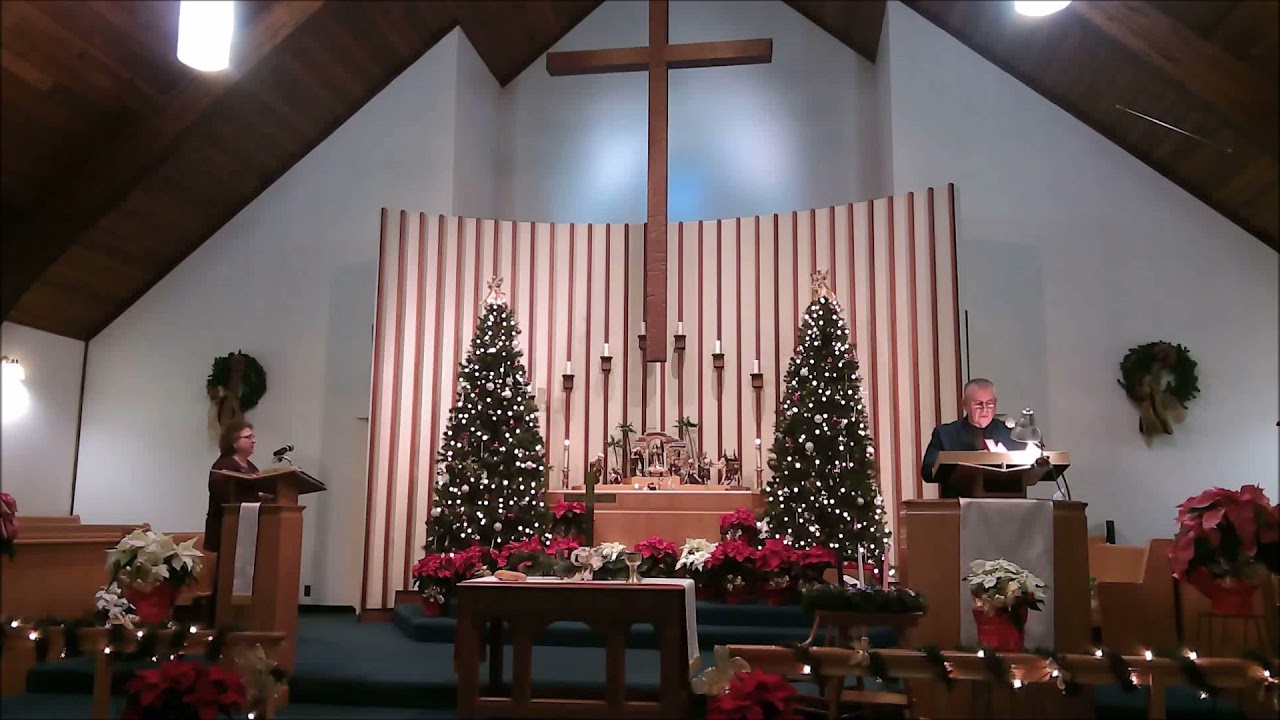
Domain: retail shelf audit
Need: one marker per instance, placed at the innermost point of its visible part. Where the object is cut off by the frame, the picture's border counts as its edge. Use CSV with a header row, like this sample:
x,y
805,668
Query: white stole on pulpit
x,y
246,549
1020,531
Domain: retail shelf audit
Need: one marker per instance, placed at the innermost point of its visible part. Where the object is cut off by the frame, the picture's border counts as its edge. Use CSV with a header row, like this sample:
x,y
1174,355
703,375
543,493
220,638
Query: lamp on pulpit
x,y
1026,431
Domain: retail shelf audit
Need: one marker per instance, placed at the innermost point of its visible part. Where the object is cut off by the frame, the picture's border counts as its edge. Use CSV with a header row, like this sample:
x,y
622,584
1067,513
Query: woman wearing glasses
x,y
977,430
236,445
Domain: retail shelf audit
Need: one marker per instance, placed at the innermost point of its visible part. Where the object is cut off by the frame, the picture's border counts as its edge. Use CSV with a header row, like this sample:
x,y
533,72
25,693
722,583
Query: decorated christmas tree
x,y
824,490
489,483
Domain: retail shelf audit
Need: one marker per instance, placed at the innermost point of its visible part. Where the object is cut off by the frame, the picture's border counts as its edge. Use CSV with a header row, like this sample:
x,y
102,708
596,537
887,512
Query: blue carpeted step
x,y
44,706
714,613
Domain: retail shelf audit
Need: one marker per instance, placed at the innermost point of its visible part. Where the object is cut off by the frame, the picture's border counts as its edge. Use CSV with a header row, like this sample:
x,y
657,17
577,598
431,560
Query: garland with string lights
x,y
1057,666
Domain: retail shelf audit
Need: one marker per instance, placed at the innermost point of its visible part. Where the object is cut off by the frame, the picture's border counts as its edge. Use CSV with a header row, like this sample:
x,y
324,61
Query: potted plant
x,y
183,690
569,520
1225,545
739,525
152,568
776,565
732,566
434,576
754,695
8,523
658,557
692,564
1002,594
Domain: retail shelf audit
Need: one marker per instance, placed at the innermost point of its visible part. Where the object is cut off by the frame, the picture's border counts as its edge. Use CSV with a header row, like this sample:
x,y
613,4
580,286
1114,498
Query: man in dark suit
x,y
977,430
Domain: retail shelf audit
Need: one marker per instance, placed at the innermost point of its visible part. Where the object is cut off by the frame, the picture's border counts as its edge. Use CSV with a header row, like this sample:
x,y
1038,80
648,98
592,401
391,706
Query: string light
x,y
1192,655
1097,653
1017,683
1147,654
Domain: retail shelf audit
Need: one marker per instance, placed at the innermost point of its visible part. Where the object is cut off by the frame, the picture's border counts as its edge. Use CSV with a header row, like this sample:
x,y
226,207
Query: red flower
x,y
208,689
816,556
560,544
8,517
755,695
1222,530
776,556
731,550
563,508
656,547
740,519
532,545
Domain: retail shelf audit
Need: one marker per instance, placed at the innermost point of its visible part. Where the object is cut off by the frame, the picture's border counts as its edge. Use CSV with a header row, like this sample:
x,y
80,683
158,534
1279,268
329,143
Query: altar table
x,y
628,515
609,608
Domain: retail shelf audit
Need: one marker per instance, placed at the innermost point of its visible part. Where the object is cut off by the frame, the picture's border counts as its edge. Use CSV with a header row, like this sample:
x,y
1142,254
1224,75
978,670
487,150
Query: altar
x,y
674,512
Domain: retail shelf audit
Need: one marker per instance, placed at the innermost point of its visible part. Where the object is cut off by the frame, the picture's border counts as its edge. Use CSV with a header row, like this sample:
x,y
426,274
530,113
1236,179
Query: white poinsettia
x,y
697,545
113,608
145,558
1000,584
611,551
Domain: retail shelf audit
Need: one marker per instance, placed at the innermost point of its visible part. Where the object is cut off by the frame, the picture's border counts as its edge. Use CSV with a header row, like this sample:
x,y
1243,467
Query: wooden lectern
x,y
982,474
933,569
277,569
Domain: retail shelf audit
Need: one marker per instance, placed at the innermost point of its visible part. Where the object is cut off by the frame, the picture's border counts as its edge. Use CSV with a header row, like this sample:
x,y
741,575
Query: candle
x,y
884,573
759,455
717,347
568,370
862,564
755,367
679,328
606,350
641,327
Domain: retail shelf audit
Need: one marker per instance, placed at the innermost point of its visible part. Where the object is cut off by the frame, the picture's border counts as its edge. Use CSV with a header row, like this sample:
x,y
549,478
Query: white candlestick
x,y
861,567
755,367
717,347
606,349
568,370
759,455
641,327
679,328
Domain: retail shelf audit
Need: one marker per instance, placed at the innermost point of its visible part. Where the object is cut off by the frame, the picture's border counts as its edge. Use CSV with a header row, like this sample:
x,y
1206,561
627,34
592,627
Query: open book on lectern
x,y
982,473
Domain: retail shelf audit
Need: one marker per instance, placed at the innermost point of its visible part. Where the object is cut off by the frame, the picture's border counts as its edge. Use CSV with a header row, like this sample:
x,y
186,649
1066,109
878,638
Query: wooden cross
x,y
656,58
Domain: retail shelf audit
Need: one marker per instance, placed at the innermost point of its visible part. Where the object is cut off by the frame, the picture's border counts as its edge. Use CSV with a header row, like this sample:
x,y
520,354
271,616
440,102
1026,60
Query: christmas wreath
x,y
1160,379
238,371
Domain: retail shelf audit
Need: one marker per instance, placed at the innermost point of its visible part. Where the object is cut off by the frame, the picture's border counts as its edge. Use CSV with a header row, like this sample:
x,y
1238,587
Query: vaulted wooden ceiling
x,y
118,161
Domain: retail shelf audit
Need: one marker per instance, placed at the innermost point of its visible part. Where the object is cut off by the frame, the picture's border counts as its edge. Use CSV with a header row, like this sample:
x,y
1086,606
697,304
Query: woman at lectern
x,y
236,444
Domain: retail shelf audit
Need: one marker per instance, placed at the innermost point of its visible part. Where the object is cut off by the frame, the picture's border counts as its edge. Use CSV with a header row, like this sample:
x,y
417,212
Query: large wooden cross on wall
x,y
656,58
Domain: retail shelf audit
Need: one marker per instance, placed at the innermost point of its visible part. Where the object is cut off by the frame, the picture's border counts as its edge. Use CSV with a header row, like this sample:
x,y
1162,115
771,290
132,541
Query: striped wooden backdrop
x,y
574,287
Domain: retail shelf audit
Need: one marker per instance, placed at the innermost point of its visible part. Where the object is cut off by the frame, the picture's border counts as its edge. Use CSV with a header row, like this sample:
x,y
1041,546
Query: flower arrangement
x,y
692,562
606,561
145,559
112,608
437,575
1225,544
739,525
8,523
755,695
569,520
183,690
1002,586
732,568
658,557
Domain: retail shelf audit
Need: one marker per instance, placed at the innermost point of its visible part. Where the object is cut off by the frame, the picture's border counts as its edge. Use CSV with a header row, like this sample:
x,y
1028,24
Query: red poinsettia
x,y
755,695
560,544
658,557
740,523
1222,532
519,555
8,523
776,557
180,689
563,508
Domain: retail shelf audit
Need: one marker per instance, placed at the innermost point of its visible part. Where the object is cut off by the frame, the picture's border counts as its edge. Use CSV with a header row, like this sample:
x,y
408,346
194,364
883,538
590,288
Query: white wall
x,y
1071,252
476,132
291,280
795,134
38,449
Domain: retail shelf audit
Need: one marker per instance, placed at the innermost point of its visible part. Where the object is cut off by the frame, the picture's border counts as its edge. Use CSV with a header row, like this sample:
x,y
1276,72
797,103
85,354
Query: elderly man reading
x,y
977,430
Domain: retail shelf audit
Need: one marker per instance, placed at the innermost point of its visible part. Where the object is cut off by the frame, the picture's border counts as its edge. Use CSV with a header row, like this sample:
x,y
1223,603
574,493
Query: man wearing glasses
x,y
977,430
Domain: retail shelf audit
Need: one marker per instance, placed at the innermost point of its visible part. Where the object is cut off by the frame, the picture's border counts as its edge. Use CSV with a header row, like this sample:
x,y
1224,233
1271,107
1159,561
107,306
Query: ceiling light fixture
x,y
205,28
1039,8
14,398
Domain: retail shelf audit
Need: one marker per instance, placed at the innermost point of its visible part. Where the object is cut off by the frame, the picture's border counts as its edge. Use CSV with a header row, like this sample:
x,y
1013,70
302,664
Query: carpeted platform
x,y
348,669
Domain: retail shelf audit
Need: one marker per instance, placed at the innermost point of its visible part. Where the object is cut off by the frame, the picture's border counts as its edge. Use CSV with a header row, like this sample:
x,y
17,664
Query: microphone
x,y
283,451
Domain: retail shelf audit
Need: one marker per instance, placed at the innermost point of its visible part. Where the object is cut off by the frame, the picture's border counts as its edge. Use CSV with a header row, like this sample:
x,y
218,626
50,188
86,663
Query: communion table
x,y
608,607
676,512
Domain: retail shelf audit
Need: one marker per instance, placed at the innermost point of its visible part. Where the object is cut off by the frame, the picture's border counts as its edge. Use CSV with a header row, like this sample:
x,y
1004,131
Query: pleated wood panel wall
x,y
573,287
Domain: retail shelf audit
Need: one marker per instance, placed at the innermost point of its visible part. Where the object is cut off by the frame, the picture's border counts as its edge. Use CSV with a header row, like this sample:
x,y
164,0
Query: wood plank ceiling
x,y
118,161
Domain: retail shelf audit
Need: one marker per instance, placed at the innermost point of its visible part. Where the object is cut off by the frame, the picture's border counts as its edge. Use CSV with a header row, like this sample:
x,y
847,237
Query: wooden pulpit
x,y
982,474
277,569
933,569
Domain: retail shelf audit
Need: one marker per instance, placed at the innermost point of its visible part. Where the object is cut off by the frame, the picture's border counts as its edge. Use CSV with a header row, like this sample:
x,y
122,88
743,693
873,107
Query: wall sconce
x,y
13,394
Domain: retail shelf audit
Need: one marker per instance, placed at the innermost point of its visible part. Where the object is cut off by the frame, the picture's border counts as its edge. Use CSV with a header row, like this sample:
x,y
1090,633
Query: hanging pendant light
x,y
1039,8
205,28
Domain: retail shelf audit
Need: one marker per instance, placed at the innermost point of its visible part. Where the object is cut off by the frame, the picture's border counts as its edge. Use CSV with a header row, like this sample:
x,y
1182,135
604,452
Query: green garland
x,y
1144,360
253,382
873,600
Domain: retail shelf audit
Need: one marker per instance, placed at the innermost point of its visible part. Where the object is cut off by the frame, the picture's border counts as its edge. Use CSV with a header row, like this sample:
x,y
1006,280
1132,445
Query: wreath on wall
x,y
235,384
1160,379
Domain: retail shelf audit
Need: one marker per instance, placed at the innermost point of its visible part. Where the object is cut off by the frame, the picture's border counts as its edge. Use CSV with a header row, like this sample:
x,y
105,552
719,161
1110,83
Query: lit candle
x,y
755,367
679,328
862,563
759,455
717,347
568,370
606,350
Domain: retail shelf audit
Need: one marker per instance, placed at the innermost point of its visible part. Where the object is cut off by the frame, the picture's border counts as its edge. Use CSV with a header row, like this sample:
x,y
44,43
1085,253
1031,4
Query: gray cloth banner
x,y
1020,531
